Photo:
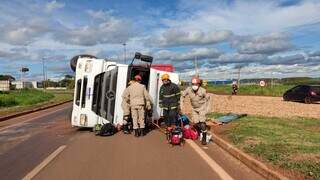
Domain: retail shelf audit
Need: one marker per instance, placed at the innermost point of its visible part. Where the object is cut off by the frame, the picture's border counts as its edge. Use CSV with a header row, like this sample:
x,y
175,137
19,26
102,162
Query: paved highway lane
x,y
25,141
26,145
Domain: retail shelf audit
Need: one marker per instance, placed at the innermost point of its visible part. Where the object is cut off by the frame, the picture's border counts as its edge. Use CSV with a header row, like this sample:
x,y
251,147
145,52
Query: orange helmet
x,y
165,77
137,78
195,80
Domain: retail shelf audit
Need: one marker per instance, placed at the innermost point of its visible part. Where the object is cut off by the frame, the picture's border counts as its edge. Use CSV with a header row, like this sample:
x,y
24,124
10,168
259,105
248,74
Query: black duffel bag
x,y
107,129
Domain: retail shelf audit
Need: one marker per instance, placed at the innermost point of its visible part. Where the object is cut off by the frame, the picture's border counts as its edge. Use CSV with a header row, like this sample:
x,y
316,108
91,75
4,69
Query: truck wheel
x,y
307,100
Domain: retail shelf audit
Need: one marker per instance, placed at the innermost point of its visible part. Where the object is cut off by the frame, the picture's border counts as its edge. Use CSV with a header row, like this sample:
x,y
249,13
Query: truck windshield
x,y
78,90
97,91
84,91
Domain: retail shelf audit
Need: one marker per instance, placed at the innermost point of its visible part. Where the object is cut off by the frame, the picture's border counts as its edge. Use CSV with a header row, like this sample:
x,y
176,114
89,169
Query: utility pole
x,y
21,77
44,75
196,66
124,53
239,71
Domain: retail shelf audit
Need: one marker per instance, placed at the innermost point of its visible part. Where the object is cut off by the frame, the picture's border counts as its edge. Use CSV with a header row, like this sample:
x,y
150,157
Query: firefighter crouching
x,y
169,101
138,99
200,105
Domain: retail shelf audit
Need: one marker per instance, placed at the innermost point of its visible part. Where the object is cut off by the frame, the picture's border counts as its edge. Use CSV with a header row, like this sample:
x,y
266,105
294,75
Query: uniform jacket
x,y
199,99
136,95
169,96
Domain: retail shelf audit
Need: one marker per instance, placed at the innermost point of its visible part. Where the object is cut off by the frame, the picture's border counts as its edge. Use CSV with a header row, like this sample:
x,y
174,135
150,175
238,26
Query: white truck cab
x,y
99,85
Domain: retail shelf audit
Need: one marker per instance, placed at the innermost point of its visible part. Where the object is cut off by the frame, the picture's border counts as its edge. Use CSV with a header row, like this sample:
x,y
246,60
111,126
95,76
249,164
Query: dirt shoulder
x,y
263,106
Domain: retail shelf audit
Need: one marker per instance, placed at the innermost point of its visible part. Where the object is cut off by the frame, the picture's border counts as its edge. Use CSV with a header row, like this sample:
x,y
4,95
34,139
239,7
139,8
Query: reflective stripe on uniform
x,y
166,108
171,95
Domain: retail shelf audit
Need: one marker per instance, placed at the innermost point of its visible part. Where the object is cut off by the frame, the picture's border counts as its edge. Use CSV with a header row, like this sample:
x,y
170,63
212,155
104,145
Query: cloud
x,y
287,60
262,44
240,58
199,53
102,15
23,32
180,37
246,17
111,31
60,69
53,5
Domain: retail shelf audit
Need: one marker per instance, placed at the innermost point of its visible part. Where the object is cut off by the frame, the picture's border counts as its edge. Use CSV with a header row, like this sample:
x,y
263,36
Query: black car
x,y
303,93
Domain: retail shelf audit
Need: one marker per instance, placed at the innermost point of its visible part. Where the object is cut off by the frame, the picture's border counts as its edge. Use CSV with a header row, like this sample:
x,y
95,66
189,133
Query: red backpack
x,y
189,132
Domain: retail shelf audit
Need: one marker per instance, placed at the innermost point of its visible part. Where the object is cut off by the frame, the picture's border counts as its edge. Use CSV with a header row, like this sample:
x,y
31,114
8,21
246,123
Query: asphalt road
x,y
26,142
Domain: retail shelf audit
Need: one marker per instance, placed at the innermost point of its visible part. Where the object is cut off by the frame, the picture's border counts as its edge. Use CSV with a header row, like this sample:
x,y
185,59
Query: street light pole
x,y
44,76
125,53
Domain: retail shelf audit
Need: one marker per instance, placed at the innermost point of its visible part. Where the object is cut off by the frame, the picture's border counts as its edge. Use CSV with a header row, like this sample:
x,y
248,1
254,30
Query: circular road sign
x,y
262,83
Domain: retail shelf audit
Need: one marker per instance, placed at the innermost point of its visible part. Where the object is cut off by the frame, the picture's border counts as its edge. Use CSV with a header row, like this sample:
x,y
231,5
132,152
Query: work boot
x,y
136,133
142,132
204,138
126,129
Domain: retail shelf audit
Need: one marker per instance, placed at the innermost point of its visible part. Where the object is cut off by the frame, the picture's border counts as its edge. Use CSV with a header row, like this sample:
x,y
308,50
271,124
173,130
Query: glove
x,y
148,107
126,117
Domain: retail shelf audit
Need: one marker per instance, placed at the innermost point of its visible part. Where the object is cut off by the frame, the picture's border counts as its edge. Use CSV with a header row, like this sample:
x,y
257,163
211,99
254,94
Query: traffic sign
x,y
262,83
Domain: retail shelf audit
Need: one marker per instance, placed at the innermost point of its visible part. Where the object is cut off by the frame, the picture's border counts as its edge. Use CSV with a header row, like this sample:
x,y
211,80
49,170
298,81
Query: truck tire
x,y
73,61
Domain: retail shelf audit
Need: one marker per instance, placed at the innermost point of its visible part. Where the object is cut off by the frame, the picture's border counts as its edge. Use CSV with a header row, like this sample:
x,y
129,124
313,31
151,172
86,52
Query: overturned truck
x,y
99,84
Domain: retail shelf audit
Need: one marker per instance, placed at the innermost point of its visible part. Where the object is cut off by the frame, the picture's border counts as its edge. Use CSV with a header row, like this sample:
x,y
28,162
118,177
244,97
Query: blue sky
x,y
271,38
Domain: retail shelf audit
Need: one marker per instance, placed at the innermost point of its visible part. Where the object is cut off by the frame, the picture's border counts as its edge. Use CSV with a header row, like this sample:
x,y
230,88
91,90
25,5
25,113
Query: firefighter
x,y
125,105
200,105
139,100
169,101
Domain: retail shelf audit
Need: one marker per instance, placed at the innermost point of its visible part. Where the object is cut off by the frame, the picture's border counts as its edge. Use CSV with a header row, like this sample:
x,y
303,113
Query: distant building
x,y
5,82
25,84
5,85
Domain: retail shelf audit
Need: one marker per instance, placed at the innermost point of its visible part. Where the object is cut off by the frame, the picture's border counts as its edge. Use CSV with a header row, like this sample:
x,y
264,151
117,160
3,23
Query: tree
x,y
7,77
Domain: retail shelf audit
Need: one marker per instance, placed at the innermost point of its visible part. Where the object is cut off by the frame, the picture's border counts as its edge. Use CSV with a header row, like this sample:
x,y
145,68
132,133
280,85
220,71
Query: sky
x,y
266,39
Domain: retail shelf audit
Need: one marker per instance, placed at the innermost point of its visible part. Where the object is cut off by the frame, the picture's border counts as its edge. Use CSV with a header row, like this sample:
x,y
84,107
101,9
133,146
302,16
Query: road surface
x,y
27,143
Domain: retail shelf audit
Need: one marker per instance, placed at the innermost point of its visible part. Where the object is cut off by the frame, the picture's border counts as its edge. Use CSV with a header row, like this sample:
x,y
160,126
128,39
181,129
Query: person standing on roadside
x,y
139,100
200,103
234,88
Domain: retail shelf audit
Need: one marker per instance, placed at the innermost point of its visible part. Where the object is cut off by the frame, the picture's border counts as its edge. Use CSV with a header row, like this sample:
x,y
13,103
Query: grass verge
x,y
292,144
276,90
17,101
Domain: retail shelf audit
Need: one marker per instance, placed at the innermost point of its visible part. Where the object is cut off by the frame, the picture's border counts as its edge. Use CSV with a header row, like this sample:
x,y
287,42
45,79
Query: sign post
x,y
262,84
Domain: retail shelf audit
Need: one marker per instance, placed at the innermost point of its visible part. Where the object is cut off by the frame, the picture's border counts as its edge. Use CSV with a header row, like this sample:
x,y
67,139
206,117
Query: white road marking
x,y
15,125
213,165
44,163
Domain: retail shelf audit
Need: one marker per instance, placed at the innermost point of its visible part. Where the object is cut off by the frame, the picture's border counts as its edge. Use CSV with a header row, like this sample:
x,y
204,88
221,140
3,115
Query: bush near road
x,y
292,144
275,90
21,100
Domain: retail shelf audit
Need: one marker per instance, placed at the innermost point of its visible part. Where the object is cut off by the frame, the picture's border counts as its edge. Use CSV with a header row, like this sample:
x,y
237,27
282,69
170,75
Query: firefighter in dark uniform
x,y
169,101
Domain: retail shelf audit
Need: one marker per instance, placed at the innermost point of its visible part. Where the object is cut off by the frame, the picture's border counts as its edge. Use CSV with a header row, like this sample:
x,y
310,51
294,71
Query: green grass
x,y
17,101
292,143
24,97
276,90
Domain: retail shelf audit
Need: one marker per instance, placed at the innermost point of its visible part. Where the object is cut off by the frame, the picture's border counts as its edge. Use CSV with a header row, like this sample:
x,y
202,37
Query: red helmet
x,y
137,78
195,80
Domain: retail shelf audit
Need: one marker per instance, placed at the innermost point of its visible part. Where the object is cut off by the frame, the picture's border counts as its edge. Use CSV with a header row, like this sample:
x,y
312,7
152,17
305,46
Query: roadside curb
x,y
4,118
252,163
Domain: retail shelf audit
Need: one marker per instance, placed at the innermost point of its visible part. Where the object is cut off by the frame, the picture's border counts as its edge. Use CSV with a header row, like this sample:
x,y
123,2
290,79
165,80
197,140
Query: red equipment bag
x,y
189,132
